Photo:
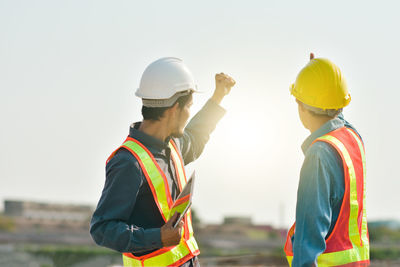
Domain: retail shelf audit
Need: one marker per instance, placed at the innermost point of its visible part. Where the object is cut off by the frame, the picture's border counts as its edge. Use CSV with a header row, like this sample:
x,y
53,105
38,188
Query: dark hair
x,y
155,114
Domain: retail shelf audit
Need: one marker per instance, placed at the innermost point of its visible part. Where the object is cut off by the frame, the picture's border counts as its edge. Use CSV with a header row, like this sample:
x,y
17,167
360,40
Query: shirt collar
x,y
329,126
145,139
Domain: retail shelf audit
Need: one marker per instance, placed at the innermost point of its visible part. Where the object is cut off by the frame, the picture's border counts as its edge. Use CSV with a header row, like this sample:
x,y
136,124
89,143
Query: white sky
x,y
69,69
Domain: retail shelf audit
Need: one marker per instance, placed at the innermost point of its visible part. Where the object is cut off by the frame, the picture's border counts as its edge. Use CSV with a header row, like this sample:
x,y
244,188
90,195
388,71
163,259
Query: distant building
x,y
392,224
238,233
48,215
238,220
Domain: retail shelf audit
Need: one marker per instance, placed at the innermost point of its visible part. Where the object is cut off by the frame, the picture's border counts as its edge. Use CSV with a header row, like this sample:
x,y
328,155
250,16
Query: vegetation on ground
x,y
63,255
6,224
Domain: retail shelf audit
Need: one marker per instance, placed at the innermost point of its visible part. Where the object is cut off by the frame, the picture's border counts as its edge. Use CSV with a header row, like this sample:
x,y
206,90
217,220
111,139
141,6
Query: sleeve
x,y
109,227
198,130
313,209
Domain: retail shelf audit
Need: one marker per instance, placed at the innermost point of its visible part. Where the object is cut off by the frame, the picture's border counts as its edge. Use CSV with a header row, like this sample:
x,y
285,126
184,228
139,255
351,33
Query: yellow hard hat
x,y
321,84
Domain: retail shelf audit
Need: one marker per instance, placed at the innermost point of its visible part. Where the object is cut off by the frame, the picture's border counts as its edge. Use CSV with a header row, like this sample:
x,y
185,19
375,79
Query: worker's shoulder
x,y
123,158
349,125
124,168
322,151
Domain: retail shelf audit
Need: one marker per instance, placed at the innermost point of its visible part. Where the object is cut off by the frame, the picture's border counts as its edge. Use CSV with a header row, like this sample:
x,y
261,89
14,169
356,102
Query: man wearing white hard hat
x,y
145,175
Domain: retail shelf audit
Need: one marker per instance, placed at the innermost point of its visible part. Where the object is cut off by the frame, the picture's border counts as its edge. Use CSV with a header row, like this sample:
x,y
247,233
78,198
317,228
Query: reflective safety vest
x,y
187,248
348,243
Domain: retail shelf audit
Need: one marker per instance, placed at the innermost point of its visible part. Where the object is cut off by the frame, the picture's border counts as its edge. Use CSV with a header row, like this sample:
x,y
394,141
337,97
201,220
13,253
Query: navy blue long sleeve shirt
x,y
319,196
126,218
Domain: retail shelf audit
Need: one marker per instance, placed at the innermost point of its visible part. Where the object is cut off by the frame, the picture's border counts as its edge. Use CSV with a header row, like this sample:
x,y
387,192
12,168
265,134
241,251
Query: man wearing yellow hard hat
x,y
331,226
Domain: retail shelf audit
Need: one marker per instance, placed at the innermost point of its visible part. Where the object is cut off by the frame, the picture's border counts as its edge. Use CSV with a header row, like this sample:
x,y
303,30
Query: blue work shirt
x,y
319,196
127,218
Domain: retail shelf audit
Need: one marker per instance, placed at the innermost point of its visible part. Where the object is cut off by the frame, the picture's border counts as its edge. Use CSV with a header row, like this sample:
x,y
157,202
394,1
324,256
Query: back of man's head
x,y
156,113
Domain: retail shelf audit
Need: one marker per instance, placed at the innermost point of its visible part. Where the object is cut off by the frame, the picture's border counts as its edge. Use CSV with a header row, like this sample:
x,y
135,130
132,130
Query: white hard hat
x,y
163,81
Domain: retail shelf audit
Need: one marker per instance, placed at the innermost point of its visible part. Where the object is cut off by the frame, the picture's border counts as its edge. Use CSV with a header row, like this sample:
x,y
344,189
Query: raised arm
x,y
198,130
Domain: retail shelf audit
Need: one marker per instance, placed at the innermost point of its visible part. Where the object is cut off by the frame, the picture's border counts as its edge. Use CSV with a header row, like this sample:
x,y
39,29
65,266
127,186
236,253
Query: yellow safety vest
x,y
348,244
187,248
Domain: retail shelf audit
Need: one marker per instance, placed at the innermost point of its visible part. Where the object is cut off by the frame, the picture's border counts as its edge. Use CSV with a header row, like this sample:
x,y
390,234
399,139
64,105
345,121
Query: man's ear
x,y
303,108
300,105
173,111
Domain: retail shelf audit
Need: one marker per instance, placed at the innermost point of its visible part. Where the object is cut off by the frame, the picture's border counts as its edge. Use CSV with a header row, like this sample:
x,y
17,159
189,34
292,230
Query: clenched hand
x,y
223,85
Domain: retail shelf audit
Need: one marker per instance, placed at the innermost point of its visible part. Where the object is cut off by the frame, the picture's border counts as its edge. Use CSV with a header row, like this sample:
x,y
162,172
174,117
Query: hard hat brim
x,y
166,102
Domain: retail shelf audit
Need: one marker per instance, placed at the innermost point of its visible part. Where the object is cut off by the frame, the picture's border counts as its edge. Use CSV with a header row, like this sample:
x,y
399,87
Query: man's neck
x,y
317,123
156,129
